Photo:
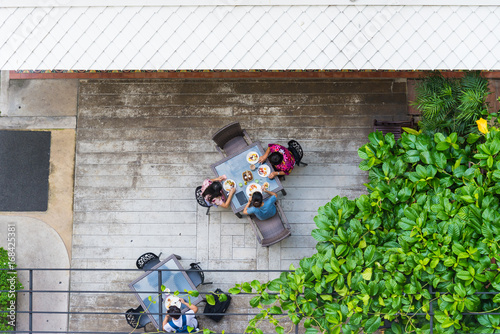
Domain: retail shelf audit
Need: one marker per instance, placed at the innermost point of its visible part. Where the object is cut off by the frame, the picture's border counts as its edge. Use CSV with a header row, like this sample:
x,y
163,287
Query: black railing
x,y
30,292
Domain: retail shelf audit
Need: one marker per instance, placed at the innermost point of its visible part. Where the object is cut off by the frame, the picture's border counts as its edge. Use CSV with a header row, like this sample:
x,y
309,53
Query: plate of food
x,y
172,301
264,171
229,184
252,157
251,188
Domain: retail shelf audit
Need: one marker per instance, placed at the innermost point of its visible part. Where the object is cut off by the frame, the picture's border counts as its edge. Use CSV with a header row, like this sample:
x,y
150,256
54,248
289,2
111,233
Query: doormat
x,y
24,170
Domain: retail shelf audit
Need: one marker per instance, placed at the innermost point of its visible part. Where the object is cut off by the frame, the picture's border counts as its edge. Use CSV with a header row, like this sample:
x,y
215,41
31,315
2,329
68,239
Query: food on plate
x,y
252,157
172,300
229,184
264,170
252,188
265,185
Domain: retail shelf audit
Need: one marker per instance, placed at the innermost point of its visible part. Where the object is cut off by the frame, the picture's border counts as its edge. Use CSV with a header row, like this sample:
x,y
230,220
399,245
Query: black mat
x,y
24,170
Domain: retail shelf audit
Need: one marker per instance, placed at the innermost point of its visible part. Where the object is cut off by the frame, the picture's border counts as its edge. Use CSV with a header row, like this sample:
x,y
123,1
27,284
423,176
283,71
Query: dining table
x,y
170,274
233,166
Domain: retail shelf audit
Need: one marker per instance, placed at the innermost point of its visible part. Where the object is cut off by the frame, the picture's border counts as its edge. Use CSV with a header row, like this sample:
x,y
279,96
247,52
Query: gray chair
x,y
272,230
196,274
231,138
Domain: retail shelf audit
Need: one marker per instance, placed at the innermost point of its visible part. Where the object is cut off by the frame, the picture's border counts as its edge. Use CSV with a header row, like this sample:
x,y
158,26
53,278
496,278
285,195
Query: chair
x,y
136,318
231,138
272,230
201,200
298,153
196,274
394,127
147,261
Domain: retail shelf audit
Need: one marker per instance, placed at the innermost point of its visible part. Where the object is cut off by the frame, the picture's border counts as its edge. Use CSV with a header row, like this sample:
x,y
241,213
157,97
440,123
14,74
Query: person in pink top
x,y
281,159
211,190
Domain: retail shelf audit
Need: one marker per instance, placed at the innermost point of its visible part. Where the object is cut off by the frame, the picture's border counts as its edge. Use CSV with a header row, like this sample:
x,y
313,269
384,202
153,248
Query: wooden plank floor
x,y
144,145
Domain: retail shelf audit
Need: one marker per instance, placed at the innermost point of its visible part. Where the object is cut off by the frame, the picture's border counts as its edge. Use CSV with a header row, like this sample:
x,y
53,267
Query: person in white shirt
x,y
174,322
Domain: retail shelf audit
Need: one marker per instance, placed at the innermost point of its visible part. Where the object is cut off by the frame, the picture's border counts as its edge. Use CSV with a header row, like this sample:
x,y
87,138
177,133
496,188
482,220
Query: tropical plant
x,y
451,105
8,284
421,244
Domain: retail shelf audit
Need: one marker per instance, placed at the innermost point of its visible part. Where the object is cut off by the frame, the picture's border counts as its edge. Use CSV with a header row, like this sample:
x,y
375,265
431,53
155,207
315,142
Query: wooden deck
x,y
144,145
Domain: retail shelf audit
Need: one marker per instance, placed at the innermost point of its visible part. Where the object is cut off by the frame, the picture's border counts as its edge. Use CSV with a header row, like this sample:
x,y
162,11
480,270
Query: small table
x,y
145,286
233,167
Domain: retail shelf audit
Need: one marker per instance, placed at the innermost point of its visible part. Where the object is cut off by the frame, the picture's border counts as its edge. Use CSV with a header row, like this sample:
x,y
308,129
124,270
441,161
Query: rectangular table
x,y
233,167
146,285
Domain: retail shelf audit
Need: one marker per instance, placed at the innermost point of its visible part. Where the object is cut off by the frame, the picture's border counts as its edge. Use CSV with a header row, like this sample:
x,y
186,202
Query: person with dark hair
x,y
280,157
211,190
261,209
175,322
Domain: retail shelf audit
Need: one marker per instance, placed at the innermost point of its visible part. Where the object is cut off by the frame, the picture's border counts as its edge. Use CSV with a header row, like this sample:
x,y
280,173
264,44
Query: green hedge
x,y
431,220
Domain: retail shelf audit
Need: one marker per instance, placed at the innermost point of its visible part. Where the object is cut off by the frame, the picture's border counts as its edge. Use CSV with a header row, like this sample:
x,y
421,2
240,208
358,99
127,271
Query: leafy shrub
x,y
425,236
5,284
451,105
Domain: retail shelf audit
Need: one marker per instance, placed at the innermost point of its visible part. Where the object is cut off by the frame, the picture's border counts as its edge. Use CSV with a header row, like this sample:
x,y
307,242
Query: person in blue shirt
x,y
261,209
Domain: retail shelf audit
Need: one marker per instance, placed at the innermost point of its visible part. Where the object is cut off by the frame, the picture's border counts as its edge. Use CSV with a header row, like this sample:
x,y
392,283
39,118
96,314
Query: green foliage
x,y
425,235
7,297
451,105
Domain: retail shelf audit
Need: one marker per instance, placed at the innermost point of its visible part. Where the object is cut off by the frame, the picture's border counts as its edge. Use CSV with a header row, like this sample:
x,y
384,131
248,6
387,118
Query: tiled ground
x,y
144,145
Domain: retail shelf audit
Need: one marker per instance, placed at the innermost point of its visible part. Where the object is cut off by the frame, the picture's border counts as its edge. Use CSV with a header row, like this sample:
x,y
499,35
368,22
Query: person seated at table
x,y
174,322
260,208
211,190
280,157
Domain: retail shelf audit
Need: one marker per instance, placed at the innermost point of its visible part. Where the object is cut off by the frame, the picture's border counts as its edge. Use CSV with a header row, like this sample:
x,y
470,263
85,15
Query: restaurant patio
x,y
143,146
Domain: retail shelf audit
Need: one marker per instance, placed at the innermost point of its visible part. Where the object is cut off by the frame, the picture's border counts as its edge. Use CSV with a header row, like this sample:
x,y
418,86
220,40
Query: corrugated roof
x,y
178,37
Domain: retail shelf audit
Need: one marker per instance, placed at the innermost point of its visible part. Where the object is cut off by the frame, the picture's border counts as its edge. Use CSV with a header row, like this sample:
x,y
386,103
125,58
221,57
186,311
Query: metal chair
x,y
196,274
147,261
298,153
201,200
395,127
231,138
136,318
272,230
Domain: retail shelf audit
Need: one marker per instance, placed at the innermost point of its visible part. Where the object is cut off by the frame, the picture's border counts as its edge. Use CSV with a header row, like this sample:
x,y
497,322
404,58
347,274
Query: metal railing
x,y
31,292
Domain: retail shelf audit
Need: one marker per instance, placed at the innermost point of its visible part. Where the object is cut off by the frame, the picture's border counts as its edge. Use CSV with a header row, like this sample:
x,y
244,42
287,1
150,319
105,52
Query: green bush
x,y
451,105
6,298
424,236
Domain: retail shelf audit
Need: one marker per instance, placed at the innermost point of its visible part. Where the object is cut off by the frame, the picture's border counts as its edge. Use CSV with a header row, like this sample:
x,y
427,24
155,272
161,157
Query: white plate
x,y
252,157
263,171
227,186
252,187
172,301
